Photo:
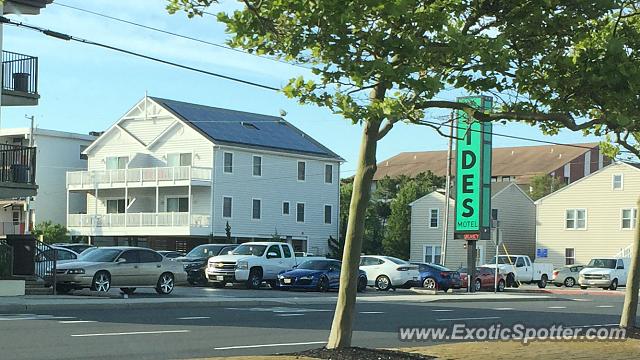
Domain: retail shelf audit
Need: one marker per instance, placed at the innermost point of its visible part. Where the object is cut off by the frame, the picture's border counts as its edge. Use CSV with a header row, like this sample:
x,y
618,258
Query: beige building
x,y
514,210
593,217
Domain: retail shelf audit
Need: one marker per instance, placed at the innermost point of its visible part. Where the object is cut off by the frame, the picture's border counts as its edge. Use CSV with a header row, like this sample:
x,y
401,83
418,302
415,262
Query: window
x,y
576,219
179,159
115,206
302,170
274,250
620,265
147,256
432,254
629,217
520,262
617,182
256,207
434,218
226,207
285,208
300,212
494,179
370,261
228,163
178,204
328,174
327,214
494,214
286,251
82,149
16,218
130,256
117,162
506,178
257,165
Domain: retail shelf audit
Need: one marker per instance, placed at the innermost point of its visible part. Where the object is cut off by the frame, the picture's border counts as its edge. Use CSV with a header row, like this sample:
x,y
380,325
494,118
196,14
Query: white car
x,y
386,272
606,273
520,269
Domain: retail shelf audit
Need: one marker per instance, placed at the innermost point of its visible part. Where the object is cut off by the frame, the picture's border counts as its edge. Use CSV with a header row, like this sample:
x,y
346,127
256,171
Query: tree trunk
x,y
630,308
342,327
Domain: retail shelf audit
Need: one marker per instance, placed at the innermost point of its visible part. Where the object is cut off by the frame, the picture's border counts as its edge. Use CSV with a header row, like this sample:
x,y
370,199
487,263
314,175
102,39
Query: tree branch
x,y
386,128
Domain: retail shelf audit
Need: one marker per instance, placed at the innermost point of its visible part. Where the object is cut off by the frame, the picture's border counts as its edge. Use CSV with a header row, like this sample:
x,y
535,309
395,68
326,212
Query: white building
x,y
171,174
56,153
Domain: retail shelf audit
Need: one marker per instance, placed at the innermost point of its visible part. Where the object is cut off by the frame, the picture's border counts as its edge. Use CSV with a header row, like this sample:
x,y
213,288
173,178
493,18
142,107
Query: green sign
x,y
473,173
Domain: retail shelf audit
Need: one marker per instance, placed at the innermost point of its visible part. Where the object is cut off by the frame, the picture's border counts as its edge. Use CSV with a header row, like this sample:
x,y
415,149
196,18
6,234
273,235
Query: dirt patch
x,y
357,353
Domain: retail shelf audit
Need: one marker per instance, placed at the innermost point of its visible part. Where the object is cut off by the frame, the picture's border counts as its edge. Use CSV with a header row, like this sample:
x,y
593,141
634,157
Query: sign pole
x,y
447,194
495,274
471,264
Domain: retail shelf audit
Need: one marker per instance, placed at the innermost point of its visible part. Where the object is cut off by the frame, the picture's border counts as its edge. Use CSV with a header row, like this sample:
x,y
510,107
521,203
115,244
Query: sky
x,y
86,88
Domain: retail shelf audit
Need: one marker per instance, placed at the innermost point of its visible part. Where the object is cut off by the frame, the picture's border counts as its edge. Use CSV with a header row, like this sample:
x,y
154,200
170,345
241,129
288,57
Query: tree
x,y
227,231
336,247
51,233
381,62
543,185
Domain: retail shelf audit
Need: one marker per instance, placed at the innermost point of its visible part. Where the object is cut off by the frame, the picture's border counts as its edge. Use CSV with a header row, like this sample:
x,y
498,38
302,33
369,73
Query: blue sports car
x,y
436,277
320,275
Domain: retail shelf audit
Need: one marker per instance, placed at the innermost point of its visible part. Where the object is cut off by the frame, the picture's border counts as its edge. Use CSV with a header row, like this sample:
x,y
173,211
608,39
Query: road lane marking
x,y
502,309
441,310
471,318
592,326
371,312
556,307
194,318
584,300
133,333
33,317
287,315
269,345
605,306
76,321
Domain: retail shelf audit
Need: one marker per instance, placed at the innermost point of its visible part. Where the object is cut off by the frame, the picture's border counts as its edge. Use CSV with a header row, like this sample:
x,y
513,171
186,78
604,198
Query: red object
x,y
471,237
485,275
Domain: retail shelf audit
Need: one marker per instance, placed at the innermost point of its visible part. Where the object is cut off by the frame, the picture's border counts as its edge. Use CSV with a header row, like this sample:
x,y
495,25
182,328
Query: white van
x,y
606,273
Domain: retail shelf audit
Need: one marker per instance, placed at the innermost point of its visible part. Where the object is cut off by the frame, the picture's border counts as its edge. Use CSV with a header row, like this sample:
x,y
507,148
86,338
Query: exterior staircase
x,y
35,286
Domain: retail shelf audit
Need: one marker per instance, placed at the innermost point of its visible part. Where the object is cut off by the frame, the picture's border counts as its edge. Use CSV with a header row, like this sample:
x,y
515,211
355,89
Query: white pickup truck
x,y
253,263
520,269
606,273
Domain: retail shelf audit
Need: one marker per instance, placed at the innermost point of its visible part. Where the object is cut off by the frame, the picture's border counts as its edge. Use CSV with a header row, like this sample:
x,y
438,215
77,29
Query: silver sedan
x,y
567,275
125,267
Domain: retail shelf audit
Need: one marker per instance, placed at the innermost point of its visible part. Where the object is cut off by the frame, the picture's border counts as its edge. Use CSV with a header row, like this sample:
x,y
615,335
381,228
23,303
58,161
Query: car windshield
x,y
255,250
602,263
396,260
316,265
100,255
509,260
204,251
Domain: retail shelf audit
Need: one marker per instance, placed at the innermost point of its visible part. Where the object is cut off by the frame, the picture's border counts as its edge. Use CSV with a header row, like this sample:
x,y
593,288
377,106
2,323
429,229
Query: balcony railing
x,y
137,176
138,220
17,164
20,73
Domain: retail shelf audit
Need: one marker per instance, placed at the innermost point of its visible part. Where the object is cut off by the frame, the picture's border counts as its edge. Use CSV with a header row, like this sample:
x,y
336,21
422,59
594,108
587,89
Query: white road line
x,y
605,306
133,333
442,310
34,317
584,300
76,321
502,309
471,318
287,315
371,312
556,307
269,345
194,318
591,326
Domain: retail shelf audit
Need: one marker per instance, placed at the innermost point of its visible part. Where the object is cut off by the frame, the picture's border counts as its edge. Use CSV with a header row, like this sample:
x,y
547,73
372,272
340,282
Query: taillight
x,y
403,269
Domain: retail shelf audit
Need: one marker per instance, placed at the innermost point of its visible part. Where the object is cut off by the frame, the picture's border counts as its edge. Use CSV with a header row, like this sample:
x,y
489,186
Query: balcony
x,y
139,177
17,171
165,223
19,79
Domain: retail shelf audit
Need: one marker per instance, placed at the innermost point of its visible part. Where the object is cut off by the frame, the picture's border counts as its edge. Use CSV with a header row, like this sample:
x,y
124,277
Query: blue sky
x,y
85,88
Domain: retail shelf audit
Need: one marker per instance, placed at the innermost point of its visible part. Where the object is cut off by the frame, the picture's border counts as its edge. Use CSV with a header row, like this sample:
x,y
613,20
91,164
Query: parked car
x,y
195,262
169,254
606,273
484,279
436,277
320,275
253,263
520,269
77,247
62,255
125,267
386,272
566,275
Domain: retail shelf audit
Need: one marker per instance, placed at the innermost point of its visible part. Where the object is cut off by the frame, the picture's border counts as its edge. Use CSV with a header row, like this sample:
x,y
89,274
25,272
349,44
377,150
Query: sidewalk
x,y
74,302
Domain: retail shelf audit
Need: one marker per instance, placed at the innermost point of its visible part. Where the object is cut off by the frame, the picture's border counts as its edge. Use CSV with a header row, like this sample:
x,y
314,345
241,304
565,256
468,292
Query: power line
x,y
67,37
176,34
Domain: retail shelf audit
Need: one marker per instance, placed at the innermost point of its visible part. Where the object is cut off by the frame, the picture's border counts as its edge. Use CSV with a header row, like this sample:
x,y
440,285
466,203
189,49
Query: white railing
x,y
625,253
138,220
137,176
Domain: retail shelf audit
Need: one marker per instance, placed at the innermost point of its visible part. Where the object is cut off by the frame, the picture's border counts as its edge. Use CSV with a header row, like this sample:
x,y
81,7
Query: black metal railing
x,y
17,164
6,260
19,73
45,259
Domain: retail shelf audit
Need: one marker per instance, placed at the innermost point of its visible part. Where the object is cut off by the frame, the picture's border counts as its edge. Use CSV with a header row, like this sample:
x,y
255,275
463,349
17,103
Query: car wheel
x,y
511,280
569,282
430,284
255,279
101,282
383,283
543,282
165,284
323,284
501,285
128,291
614,284
477,285
63,289
362,284
272,283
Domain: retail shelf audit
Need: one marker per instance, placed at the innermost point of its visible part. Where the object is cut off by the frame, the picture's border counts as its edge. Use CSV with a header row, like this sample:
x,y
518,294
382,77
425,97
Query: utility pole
x,y
447,190
27,220
496,272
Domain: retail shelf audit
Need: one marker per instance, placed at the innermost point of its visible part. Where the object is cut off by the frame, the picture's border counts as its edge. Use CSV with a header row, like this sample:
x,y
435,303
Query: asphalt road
x,y
196,332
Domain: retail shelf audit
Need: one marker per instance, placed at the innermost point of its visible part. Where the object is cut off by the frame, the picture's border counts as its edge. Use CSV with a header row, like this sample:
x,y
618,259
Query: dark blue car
x,y
436,277
320,275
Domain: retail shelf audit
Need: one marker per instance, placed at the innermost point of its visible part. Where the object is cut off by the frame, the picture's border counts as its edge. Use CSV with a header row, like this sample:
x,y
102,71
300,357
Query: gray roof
x,y
231,127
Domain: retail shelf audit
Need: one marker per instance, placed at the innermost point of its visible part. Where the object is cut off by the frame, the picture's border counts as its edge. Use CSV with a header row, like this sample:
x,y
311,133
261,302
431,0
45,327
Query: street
x,y
201,331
